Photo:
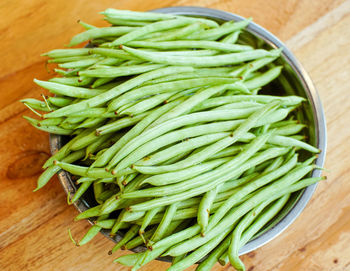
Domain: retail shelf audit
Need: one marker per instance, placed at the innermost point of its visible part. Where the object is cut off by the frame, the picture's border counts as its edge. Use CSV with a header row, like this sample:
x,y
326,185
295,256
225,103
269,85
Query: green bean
x,y
93,112
150,28
93,211
232,37
151,16
183,44
164,224
203,61
120,22
146,104
191,102
85,171
67,52
268,154
99,33
51,122
101,81
179,148
283,123
127,237
117,224
166,87
90,149
98,190
81,190
229,151
35,104
72,81
92,232
137,241
288,141
178,33
213,257
147,219
277,162
115,201
131,216
218,101
86,25
136,130
91,123
177,259
202,183
190,172
129,259
205,206
166,139
79,63
69,59
229,185
60,101
119,71
225,28
112,53
200,253
242,225
290,129
214,148
263,79
270,193
120,124
116,91
262,219
108,223
71,91
53,129
175,123
205,72
239,105
69,126
252,186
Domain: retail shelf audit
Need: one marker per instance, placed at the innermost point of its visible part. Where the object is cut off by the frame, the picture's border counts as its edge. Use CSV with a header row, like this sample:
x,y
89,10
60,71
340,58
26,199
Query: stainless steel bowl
x,y
299,84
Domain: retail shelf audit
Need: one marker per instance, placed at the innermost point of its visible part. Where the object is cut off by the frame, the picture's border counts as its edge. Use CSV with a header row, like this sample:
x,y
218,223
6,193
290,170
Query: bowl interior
x,y
293,81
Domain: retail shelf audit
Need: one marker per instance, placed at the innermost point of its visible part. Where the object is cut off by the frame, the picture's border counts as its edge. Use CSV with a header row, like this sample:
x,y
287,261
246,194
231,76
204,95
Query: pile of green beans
x,y
166,125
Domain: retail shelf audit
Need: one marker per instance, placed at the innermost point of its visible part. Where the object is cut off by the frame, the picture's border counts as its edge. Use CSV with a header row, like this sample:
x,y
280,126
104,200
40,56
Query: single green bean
x,y
183,44
203,61
166,87
119,71
150,28
99,33
190,172
164,224
127,237
71,91
205,206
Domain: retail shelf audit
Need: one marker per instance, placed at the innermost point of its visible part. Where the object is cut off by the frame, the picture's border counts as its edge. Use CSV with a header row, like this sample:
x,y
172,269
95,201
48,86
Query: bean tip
x,y
106,169
55,162
121,46
110,252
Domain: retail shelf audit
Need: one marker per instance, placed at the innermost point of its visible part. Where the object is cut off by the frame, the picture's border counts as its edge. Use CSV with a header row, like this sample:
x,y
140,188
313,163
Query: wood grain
x,y
33,226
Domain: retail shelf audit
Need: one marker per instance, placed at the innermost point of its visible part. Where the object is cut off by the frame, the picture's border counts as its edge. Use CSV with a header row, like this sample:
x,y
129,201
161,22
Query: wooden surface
x,y
33,226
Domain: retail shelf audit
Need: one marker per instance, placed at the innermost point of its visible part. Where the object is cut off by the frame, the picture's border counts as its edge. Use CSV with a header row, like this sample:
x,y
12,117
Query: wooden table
x,y
33,228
